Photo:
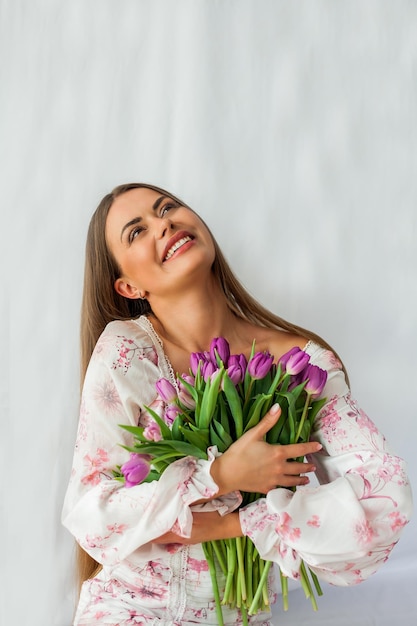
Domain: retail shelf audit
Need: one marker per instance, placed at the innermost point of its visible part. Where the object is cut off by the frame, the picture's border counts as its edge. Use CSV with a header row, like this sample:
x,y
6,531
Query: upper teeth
x,y
175,247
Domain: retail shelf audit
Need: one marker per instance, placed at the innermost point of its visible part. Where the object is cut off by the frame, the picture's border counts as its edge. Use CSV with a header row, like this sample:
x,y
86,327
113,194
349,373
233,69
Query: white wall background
x,y
291,127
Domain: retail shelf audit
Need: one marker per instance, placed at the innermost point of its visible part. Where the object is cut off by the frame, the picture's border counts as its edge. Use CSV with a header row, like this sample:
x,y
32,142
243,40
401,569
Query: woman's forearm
x,y
207,527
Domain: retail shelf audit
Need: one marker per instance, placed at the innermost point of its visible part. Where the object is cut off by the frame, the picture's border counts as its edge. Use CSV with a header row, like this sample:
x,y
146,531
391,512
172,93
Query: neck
x,y
191,321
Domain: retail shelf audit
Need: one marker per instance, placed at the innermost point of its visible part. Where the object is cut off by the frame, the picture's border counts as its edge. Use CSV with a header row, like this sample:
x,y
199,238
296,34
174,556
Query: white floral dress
x,y
344,529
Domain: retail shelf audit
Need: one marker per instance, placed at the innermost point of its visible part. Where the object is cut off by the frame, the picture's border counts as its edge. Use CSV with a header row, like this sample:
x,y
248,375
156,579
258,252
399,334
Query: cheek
x,y
133,264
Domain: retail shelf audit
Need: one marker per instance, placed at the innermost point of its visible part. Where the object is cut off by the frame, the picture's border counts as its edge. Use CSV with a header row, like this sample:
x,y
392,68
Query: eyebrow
x,y
136,220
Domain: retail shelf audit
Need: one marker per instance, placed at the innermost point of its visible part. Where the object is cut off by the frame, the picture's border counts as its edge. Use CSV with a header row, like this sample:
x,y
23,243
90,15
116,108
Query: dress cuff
x,y
195,483
262,527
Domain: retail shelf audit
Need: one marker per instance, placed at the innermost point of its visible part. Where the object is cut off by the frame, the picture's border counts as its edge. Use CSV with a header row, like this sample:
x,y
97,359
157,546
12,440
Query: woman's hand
x,y
251,464
207,527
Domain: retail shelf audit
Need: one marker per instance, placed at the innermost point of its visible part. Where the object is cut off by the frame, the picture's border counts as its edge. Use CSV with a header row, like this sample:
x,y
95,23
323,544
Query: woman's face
x,y
160,246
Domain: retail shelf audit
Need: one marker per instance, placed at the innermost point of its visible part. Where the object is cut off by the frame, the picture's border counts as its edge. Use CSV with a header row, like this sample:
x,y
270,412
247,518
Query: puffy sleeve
x,y
109,520
345,528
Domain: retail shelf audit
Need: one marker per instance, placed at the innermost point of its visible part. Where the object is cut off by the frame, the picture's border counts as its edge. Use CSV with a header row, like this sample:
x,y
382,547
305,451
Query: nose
x,y
164,226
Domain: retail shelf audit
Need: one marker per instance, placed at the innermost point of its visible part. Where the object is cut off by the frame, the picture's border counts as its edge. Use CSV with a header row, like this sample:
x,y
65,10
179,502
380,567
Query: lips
x,y
178,240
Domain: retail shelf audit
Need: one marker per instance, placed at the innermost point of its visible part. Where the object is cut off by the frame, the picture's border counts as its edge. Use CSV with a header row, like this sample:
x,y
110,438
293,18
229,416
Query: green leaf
x,y
315,408
165,430
274,435
137,431
290,396
224,415
153,475
209,400
276,380
157,448
223,433
256,409
305,432
215,440
248,378
234,402
196,438
187,449
176,428
191,390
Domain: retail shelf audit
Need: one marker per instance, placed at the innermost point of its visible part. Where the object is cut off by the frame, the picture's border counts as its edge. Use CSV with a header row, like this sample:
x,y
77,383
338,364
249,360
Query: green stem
x,y
244,614
231,566
249,570
284,590
307,586
208,551
247,397
241,565
263,581
218,551
303,417
316,583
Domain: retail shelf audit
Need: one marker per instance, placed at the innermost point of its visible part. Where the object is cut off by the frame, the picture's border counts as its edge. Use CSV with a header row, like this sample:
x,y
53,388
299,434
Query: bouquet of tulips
x,y
220,399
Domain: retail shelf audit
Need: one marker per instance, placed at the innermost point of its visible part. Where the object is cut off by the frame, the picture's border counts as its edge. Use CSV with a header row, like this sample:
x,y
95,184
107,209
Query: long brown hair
x,y
101,304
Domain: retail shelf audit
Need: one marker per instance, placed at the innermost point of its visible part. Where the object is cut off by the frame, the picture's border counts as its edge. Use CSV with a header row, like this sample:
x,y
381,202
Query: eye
x,y
167,207
135,232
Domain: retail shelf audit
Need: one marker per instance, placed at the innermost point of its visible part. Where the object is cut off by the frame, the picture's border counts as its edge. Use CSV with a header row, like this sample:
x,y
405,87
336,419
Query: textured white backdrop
x,y
291,127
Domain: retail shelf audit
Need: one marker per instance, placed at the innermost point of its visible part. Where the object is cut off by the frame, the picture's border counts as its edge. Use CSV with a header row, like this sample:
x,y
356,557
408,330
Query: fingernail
x,y
306,480
319,446
274,409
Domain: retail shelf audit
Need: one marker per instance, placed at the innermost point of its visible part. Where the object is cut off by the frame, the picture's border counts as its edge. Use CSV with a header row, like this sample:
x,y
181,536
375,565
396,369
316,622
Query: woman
x,y
157,288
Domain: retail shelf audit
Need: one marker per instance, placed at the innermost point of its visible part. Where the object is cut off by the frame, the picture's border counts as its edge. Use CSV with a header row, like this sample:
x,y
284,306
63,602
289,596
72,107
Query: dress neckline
x,y
159,345
309,347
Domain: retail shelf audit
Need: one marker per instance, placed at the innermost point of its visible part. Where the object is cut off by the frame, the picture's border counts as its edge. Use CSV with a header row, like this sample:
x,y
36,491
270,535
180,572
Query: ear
x,y
126,290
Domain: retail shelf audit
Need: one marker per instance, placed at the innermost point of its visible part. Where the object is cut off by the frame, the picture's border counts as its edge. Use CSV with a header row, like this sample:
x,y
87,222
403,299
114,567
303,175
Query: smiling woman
x,y
157,288
157,243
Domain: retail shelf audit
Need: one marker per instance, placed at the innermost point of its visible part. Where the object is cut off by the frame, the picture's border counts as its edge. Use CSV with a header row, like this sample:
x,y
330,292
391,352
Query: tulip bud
x,y
152,432
317,378
199,359
184,395
297,362
237,368
284,359
220,346
136,469
171,412
260,365
208,369
166,390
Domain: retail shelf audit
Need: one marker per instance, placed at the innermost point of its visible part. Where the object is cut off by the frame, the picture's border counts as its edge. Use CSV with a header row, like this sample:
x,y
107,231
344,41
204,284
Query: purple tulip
x,y
136,469
297,362
220,346
208,369
166,390
284,359
152,432
317,378
260,365
171,413
237,368
295,381
199,358
184,395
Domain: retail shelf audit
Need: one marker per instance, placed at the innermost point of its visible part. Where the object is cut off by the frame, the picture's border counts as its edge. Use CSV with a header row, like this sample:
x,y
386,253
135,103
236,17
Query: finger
x,y
267,422
295,468
293,481
294,450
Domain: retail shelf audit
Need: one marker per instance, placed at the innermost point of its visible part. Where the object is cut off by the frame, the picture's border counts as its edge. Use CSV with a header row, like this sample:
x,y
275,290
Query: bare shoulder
x,y
277,342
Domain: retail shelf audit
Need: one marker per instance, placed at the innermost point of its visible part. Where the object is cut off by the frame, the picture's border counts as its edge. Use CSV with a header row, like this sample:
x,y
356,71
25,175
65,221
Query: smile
x,y
178,244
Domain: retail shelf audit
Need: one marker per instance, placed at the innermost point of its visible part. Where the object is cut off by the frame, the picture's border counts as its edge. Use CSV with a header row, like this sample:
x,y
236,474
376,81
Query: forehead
x,y
126,207
138,200
133,203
